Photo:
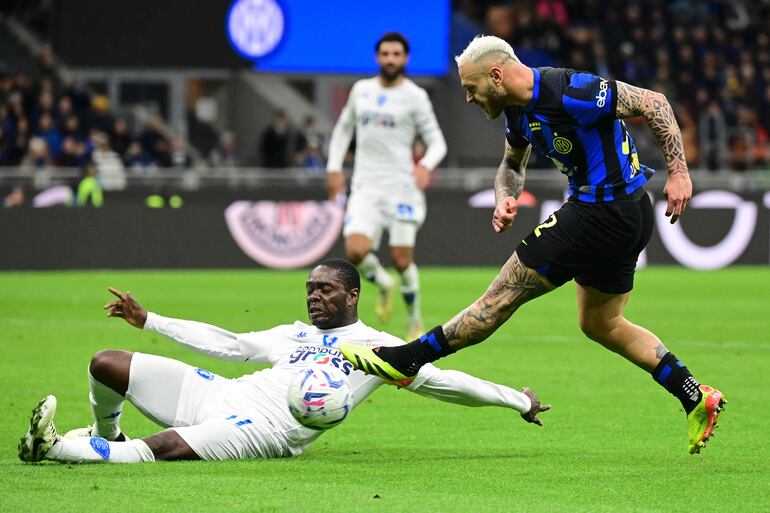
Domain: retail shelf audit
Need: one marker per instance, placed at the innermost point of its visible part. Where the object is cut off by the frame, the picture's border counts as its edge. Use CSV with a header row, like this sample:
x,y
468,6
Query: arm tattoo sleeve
x,y
515,285
635,101
510,174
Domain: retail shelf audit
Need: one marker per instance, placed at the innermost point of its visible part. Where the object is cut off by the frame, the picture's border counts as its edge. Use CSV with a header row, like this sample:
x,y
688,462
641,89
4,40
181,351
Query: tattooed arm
x,y
657,112
515,285
509,183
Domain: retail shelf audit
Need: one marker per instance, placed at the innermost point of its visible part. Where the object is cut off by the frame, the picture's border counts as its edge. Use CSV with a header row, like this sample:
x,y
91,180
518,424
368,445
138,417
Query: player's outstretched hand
x,y
504,214
531,415
126,308
678,191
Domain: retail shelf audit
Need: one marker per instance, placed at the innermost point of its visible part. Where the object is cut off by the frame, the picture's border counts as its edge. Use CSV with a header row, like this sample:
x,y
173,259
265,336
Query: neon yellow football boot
x,y
365,358
703,419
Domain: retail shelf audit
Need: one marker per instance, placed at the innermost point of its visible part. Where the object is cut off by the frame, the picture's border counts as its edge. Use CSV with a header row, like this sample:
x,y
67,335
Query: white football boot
x,y
41,435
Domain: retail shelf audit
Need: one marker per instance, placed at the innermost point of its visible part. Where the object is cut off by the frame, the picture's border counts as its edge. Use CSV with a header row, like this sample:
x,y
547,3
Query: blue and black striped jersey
x,y
571,120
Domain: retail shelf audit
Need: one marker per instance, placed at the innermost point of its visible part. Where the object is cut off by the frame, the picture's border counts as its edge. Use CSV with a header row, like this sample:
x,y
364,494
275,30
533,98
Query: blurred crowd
x,y
710,57
46,124
282,146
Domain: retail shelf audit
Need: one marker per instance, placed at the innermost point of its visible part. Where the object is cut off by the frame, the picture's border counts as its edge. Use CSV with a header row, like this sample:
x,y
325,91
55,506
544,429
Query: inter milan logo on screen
x,y
255,27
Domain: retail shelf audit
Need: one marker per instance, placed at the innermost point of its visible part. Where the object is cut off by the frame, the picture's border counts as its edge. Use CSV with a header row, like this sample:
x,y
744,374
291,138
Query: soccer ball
x,y
320,397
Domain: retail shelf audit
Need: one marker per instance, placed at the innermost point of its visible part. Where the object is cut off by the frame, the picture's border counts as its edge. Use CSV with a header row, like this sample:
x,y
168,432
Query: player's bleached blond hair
x,y
486,47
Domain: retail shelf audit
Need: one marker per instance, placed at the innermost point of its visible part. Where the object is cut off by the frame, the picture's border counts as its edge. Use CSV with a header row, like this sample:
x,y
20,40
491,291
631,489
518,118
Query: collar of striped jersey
x,y
535,90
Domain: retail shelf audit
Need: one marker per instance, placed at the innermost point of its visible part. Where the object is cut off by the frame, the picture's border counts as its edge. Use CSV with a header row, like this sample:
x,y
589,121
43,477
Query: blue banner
x,y
337,36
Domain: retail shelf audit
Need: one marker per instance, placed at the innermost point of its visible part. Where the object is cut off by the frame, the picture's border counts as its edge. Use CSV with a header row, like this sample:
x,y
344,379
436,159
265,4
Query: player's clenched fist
x,y
504,214
127,308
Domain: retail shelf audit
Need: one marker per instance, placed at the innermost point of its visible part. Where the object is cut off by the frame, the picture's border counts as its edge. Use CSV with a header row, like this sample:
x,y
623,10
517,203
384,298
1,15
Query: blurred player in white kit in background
x,y
386,113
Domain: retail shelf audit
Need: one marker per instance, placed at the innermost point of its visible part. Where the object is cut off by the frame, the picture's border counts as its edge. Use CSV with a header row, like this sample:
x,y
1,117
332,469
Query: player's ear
x,y
497,75
353,295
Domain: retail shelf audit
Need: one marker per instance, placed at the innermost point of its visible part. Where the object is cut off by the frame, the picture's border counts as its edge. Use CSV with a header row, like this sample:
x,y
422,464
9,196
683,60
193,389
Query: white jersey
x,y
291,348
386,121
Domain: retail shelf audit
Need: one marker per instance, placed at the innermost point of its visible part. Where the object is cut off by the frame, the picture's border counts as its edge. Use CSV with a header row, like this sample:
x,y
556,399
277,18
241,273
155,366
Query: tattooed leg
x,y
515,285
601,319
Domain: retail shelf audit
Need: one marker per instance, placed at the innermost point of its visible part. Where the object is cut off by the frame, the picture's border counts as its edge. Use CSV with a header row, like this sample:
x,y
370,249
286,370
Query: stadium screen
x,y
336,36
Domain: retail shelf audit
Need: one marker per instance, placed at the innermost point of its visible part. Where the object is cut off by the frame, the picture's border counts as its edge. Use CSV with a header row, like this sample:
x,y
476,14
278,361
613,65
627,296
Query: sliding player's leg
x,y
170,393
152,383
167,391
42,441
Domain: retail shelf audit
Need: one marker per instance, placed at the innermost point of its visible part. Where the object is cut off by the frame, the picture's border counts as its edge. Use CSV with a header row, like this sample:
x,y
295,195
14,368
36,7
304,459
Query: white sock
x,y
106,407
371,269
98,450
410,290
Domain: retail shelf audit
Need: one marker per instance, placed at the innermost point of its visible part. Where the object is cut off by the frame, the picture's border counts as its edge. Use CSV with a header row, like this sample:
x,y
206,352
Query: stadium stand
x,y
712,59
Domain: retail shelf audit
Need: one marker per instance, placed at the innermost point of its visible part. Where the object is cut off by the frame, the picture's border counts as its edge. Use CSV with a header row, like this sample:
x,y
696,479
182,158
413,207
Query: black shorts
x,y
597,244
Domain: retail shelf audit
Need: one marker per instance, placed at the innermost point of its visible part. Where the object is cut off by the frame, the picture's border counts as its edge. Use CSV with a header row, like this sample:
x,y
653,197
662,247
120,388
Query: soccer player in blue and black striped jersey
x,y
575,119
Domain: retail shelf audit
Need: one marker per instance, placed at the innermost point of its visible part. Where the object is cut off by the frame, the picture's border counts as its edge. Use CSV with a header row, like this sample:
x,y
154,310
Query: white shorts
x,y
370,212
192,402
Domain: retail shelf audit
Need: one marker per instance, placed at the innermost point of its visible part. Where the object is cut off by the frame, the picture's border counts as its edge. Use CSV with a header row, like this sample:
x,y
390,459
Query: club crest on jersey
x,y
381,99
562,145
329,341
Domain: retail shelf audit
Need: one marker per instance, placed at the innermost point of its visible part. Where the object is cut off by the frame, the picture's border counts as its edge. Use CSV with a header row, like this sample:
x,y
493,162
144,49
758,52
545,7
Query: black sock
x,y
674,377
408,358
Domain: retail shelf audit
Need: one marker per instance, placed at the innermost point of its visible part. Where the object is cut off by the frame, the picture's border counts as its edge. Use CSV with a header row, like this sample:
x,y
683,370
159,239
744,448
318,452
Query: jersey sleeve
x,y
259,346
342,133
430,131
589,98
198,336
461,388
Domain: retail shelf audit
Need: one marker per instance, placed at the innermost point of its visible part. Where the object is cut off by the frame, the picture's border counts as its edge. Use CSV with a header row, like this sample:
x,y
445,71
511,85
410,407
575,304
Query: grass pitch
x,y
614,441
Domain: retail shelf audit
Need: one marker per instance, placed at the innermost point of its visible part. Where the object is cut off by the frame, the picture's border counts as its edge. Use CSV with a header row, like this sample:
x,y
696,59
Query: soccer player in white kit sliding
x,y
214,418
386,113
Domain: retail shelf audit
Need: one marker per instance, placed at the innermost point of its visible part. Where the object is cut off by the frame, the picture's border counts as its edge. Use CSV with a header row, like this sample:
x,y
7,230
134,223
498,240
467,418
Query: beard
x,y
390,74
495,104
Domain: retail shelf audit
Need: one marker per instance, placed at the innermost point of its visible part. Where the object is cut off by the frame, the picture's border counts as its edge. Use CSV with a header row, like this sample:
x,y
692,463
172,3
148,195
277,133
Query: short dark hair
x,y
347,272
393,37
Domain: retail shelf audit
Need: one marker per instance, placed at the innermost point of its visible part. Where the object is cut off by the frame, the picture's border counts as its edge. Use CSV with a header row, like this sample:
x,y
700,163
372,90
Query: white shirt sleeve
x,y
201,337
258,346
430,131
461,388
454,386
255,346
342,134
